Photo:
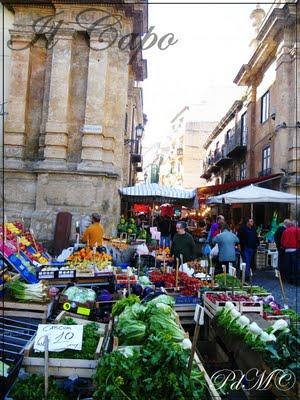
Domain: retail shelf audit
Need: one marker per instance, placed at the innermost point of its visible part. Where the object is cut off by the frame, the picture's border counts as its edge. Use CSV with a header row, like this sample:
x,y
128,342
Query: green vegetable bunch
x,y
285,352
157,317
32,388
120,305
227,281
157,371
28,292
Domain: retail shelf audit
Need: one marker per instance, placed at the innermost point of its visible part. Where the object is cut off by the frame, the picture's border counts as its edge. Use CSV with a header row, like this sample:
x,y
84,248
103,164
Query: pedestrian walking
x,y
226,242
164,227
280,249
183,243
215,228
249,242
290,241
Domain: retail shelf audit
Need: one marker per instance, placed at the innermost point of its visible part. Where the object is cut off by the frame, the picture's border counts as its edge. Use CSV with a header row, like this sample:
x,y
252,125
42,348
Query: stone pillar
x,y
56,139
15,125
284,141
251,123
92,140
116,100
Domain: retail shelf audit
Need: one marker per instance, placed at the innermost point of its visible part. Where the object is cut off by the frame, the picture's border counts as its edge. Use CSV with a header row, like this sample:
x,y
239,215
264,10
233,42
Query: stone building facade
x,y
182,163
72,101
257,138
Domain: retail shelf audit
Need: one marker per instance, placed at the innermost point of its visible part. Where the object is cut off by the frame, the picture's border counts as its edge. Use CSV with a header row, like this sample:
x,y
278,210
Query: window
x,y
265,107
126,123
243,171
266,158
244,128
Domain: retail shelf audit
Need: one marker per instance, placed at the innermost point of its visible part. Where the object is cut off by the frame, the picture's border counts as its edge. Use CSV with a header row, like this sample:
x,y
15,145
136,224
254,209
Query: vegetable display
x,y
36,292
158,370
120,305
278,344
137,322
189,286
80,294
90,339
33,388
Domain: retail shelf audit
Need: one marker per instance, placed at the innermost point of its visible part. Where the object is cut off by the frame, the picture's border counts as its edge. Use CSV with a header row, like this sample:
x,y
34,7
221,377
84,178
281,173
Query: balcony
x,y
265,172
221,159
209,167
237,144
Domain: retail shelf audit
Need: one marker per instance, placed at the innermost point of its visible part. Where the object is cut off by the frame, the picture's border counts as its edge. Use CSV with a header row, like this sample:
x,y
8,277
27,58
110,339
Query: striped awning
x,y
155,192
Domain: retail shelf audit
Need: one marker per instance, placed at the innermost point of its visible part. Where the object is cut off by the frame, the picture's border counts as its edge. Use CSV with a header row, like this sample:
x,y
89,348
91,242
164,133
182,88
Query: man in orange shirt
x,y
94,233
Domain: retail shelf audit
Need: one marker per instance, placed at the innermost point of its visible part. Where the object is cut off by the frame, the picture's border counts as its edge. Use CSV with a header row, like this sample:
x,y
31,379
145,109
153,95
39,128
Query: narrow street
x,y
268,280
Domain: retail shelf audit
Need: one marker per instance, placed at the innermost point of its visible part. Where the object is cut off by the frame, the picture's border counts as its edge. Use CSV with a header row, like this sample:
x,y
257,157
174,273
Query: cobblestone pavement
x,y
268,280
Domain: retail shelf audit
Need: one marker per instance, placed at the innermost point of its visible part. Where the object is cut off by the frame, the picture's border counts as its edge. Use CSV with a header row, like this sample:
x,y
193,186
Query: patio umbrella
x,y
253,194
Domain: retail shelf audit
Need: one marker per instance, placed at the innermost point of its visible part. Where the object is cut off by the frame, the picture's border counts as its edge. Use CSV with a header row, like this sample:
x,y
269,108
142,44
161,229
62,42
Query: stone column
x,y
284,141
15,125
56,139
251,123
92,140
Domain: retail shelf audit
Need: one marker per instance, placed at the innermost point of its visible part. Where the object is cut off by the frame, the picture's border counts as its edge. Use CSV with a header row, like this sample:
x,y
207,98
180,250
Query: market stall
x,y
127,321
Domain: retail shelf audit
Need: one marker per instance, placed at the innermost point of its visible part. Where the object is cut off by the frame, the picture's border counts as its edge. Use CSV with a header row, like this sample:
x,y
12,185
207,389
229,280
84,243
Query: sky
x,y
213,43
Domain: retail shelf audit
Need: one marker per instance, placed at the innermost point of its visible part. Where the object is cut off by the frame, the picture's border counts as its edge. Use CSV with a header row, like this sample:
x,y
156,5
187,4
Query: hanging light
x,y
139,130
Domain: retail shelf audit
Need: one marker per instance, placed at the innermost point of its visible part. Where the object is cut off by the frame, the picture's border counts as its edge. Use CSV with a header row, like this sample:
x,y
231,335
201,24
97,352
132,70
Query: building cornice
x,y
236,106
268,37
136,9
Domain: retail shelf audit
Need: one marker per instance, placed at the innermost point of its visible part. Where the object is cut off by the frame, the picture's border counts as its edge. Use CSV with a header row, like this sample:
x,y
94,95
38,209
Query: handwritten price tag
x,y
61,337
199,315
232,271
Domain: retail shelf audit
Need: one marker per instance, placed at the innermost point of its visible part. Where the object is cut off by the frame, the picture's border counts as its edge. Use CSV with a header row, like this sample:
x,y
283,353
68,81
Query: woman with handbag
x,y
226,242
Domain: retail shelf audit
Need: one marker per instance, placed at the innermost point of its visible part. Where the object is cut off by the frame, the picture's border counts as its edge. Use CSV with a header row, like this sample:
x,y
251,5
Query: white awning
x,y
253,194
155,190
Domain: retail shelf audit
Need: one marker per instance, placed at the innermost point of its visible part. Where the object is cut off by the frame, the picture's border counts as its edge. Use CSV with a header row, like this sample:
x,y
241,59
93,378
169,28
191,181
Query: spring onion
x,y
28,292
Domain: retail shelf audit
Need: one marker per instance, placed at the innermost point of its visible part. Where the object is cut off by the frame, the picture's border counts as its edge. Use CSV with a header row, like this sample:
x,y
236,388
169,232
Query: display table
x,y
247,359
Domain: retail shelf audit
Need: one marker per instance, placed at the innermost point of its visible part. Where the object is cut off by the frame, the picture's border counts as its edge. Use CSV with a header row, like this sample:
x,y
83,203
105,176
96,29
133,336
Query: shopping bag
x,y
215,251
206,249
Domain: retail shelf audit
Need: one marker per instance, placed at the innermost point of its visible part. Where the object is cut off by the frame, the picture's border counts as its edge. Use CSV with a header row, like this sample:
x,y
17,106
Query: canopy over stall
x,y
253,194
154,193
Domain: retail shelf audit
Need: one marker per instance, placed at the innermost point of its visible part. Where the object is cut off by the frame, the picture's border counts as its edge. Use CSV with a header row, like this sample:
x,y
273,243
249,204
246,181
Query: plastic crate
x,y
123,265
187,300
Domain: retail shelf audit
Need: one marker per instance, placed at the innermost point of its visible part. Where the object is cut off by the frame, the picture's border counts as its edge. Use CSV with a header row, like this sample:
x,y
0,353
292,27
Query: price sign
x,y
60,337
199,315
232,270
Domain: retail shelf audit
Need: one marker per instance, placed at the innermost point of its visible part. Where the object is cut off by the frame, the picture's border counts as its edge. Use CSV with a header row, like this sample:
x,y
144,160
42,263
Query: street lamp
x,y
139,130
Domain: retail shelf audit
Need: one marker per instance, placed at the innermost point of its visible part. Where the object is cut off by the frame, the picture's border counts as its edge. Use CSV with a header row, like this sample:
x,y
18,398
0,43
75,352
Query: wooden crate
x,y
26,310
81,320
245,307
61,367
212,308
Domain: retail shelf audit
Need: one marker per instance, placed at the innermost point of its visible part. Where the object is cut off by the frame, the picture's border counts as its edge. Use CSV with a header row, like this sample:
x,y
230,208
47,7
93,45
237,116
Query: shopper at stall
x,y
183,243
280,249
226,242
94,233
215,228
290,241
249,242
164,226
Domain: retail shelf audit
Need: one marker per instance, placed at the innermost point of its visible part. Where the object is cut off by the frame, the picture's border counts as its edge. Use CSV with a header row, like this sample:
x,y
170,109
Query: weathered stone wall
x,y
64,135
